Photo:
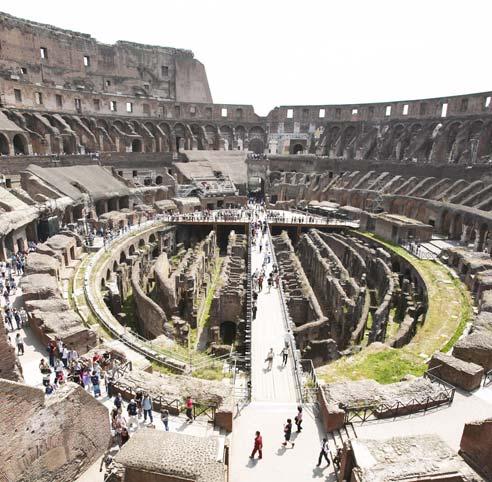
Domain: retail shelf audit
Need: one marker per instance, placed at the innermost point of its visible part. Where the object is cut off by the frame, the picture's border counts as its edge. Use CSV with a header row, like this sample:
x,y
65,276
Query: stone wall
x,y
177,290
476,446
49,438
171,391
49,315
152,319
10,368
228,303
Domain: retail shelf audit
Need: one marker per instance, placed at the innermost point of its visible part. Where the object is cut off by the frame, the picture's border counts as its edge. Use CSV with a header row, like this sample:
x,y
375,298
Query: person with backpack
x,y
95,384
132,414
298,418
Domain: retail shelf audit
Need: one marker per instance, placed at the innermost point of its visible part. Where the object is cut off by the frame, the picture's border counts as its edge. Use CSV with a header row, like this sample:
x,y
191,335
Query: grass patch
x,y
210,373
449,309
377,362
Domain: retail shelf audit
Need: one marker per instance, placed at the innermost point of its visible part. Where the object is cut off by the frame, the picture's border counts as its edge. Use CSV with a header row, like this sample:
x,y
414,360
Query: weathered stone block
x,y
476,348
459,373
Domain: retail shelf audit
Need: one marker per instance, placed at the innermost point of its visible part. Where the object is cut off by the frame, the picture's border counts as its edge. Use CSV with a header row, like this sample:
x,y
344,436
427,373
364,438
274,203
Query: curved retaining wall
x,y
96,272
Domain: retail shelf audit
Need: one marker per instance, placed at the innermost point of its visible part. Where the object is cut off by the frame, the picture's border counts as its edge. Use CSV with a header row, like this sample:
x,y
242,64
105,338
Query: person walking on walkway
x,y
132,414
298,418
254,310
323,452
95,384
258,446
285,355
165,419
269,359
270,282
288,433
189,409
147,407
20,344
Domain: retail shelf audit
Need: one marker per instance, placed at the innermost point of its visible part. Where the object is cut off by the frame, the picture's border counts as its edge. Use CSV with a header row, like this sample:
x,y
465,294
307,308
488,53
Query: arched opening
x,y
131,250
122,257
228,332
457,230
297,149
152,238
141,243
68,145
136,145
108,275
115,267
20,144
4,145
257,146
158,180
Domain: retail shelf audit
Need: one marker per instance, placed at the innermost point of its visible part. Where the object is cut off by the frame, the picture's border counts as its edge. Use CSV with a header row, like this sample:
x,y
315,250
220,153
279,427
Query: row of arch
x,y
47,133
453,141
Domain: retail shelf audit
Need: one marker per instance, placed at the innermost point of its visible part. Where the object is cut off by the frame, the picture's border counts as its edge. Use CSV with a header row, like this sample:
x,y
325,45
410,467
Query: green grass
x,y
448,311
377,362
210,373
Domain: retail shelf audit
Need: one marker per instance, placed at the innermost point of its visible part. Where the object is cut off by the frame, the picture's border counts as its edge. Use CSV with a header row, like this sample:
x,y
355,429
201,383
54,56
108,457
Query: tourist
x,y
258,446
147,407
288,433
165,419
270,282
323,452
269,359
138,400
132,413
95,384
254,310
118,401
64,356
119,425
51,353
20,344
285,355
17,319
189,409
124,436
298,418
43,366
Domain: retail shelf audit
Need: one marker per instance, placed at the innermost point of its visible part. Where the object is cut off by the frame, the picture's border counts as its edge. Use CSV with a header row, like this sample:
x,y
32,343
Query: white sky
x,y
280,52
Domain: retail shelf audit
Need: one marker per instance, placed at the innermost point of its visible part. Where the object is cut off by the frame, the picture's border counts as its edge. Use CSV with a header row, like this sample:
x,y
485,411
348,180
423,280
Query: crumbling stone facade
x,y
10,367
227,311
45,438
476,446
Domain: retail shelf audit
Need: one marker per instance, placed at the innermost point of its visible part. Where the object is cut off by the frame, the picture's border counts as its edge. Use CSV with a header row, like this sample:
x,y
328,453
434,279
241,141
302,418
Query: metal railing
x,y
310,380
288,323
174,406
159,355
362,413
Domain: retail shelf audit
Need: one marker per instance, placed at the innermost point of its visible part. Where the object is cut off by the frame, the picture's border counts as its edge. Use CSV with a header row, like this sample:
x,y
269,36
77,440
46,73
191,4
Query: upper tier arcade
x,y
34,53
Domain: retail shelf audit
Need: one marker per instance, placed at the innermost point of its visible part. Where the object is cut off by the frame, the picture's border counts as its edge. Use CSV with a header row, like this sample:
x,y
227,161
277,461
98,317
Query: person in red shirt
x,y
258,446
189,409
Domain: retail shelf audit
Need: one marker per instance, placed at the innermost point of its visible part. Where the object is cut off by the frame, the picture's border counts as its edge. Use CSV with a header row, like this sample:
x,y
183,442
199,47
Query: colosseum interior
x,y
157,246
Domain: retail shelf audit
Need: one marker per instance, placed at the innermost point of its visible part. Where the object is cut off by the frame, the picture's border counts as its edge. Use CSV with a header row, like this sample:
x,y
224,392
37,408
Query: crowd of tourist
x,y
14,318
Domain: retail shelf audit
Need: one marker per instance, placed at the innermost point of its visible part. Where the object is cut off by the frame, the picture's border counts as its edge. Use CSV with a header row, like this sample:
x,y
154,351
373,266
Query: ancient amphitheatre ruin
x,y
155,242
